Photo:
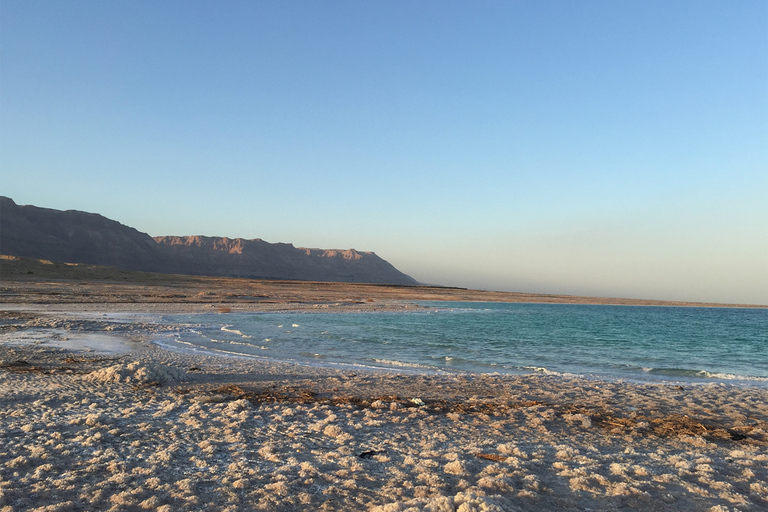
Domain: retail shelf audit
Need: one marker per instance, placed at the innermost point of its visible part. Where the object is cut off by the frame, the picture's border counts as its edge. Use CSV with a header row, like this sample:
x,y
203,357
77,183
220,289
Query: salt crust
x,y
104,441
461,502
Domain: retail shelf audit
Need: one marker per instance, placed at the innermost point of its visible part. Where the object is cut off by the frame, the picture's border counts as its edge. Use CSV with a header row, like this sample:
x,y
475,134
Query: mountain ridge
x,y
74,236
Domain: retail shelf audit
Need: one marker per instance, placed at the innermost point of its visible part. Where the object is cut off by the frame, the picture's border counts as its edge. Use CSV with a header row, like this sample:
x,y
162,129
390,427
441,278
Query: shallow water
x,y
629,342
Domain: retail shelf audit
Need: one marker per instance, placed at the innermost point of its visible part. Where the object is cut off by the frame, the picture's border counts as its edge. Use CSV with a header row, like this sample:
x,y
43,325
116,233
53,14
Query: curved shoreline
x,y
112,312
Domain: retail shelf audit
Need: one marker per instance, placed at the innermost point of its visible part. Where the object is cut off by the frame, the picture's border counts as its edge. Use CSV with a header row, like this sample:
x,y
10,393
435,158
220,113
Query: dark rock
x,y
371,453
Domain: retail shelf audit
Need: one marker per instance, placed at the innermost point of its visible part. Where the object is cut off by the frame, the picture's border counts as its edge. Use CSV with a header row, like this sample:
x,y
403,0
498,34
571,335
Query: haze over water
x,y
627,342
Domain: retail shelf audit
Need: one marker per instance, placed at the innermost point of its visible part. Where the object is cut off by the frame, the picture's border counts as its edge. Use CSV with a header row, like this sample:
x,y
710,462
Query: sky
x,y
589,147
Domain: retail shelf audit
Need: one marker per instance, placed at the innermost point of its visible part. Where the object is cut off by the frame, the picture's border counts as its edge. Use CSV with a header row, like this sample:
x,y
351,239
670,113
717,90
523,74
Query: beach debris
x,y
232,390
20,366
417,401
371,453
492,456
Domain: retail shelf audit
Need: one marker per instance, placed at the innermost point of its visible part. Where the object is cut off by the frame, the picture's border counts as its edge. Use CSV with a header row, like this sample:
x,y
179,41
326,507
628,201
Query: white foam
x,y
192,348
730,376
541,369
403,364
226,328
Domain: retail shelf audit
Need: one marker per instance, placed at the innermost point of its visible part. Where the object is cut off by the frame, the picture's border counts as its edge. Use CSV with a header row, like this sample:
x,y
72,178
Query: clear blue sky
x,y
588,147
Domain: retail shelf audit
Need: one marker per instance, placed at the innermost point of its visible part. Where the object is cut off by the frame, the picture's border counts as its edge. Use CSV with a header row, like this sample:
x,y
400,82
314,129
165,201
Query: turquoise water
x,y
637,343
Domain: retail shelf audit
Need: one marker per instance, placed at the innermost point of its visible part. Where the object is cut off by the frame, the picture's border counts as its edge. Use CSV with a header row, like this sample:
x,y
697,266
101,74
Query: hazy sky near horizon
x,y
591,147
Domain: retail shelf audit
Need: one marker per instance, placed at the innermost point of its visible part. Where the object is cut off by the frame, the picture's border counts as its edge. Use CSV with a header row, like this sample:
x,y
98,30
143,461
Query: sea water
x,y
616,342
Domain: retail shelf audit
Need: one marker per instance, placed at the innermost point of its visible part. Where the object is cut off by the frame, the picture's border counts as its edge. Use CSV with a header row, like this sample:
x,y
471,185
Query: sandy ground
x,y
93,416
26,281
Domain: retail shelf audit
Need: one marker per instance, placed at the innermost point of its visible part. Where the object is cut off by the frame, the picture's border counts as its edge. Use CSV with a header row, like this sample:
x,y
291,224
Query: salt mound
x,y
139,373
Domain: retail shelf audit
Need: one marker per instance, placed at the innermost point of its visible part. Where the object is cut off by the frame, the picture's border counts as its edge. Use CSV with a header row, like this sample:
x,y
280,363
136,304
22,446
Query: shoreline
x,y
132,426
27,280
115,312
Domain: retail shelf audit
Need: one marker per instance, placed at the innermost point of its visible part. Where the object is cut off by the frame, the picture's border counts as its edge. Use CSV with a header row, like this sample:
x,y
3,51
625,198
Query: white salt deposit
x,y
71,439
139,373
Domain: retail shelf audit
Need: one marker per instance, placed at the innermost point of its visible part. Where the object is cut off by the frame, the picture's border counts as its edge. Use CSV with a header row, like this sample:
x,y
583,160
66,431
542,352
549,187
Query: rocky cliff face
x,y
239,257
79,237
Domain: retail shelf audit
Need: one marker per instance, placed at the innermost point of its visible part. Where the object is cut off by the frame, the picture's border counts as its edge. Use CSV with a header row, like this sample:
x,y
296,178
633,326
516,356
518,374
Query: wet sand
x,y
93,416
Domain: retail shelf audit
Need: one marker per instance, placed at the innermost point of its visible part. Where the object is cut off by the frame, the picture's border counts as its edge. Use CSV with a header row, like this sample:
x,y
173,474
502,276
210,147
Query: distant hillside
x,y
202,255
78,237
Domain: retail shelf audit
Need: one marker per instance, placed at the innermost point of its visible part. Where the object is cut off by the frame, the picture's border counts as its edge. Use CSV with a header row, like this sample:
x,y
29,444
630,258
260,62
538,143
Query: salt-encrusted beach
x,y
95,417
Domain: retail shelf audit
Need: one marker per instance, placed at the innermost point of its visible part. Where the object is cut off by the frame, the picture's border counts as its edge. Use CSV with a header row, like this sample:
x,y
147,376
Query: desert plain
x,y
95,416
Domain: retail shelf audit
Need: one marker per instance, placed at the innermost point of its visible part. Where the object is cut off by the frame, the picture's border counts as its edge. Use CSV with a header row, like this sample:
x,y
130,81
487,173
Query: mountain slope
x,y
238,257
75,237
79,237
